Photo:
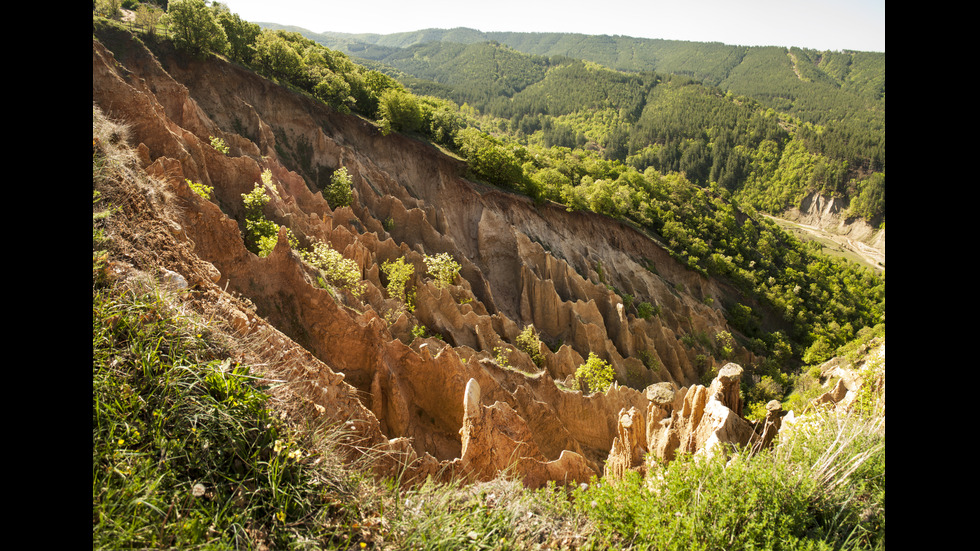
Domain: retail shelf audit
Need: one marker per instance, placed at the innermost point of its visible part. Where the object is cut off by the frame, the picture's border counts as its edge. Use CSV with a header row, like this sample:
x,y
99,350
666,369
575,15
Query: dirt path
x,y
869,255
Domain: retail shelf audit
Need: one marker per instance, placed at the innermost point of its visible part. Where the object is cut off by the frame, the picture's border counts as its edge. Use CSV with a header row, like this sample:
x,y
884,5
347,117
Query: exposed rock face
x,y
708,417
357,357
496,439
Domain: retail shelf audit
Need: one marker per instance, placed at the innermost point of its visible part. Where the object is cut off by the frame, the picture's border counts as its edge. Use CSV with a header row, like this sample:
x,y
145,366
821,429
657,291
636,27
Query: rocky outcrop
x,y
707,417
521,264
497,440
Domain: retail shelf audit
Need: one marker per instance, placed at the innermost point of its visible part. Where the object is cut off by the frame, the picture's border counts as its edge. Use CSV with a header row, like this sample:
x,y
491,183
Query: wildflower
x,y
198,490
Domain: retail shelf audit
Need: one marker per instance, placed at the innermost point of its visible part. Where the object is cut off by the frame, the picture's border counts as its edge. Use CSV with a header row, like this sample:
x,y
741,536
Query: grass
x,y
186,450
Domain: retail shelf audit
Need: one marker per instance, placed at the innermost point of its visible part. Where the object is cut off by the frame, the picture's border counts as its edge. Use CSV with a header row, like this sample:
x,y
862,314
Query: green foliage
x,y
241,36
185,449
749,503
339,193
335,269
529,342
399,273
261,234
443,268
201,189
595,375
219,145
399,111
194,27
726,344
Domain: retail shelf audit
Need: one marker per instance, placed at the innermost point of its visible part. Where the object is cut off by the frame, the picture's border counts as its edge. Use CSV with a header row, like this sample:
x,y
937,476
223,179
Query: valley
x,y
393,297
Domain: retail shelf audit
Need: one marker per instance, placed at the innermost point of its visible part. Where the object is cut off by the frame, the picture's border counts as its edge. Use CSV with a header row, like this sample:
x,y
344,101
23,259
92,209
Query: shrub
x,y
399,273
443,268
261,234
596,374
219,145
645,310
340,191
726,344
339,271
750,503
201,189
529,342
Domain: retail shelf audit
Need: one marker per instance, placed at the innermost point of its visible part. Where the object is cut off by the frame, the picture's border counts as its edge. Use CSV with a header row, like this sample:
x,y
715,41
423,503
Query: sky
x,y
814,24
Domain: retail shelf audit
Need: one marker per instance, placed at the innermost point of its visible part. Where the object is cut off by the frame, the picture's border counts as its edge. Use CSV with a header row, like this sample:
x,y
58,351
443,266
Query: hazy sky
x,y
816,24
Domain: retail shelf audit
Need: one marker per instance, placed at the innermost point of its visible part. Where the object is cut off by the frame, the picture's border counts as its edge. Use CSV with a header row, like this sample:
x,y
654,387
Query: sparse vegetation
x,y
191,452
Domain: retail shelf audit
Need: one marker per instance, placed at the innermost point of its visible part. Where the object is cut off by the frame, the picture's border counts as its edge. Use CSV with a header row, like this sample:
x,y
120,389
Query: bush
x,y
596,374
443,268
261,234
399,273
219,145
529,342
201,189
753,503
339,271
340,191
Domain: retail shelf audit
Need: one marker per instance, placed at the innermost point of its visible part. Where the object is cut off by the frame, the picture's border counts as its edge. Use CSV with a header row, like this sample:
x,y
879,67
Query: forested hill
x,y
769,124
793,81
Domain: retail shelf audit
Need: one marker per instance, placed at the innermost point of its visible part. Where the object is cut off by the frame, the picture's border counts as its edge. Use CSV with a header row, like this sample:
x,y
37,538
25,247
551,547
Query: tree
x,y
276,56
596,374
194,27
148,16
339,193
401,110
241,36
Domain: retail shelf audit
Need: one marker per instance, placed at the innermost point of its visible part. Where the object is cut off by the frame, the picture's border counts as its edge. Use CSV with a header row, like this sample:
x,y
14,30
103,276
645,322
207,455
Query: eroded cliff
x,y
357,357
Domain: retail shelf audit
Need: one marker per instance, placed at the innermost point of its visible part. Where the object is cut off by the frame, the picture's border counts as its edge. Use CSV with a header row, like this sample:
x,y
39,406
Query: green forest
x,y
688,164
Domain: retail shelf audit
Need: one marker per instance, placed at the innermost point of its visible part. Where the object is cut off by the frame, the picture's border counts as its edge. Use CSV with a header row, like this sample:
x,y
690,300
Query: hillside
x,y
443,376
708,117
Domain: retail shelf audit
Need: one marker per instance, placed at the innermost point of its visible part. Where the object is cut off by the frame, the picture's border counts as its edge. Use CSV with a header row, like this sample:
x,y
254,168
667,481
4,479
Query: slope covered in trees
x,y
730,109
